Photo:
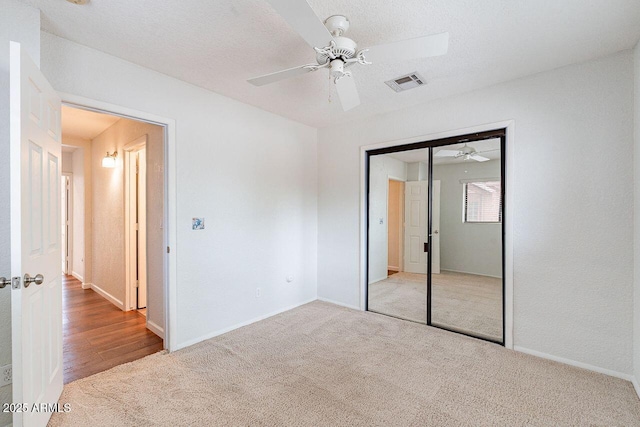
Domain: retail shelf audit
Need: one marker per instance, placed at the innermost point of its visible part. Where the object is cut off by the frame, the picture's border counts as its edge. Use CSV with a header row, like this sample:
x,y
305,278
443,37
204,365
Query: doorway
x,y
454,228
112,316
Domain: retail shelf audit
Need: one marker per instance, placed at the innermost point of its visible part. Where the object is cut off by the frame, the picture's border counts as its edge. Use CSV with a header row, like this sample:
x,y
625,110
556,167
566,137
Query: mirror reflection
x,y
467,292
466,237
398,201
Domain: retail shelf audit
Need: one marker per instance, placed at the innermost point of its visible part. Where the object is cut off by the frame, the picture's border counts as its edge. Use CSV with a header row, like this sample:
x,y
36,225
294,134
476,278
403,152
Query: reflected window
x,y
482,202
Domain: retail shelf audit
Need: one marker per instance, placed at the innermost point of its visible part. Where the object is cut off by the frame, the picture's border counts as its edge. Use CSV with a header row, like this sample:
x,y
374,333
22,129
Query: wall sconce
x,y
109,161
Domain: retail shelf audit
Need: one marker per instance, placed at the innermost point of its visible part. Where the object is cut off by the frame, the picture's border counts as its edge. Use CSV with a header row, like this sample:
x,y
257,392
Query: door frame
x,y
401,228
130,254
170,276
69,233
436,139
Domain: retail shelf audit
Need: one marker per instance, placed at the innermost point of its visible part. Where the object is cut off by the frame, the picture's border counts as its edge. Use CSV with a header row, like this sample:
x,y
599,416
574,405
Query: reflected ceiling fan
x,y
466,152
336,52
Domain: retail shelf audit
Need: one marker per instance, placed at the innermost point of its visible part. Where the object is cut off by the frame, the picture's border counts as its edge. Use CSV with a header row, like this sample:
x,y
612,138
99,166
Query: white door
x,y
36,309
415,226
142,228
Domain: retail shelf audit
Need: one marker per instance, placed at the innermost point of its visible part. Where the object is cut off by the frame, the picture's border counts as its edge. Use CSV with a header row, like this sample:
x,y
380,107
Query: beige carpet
x,y
463,302
321,365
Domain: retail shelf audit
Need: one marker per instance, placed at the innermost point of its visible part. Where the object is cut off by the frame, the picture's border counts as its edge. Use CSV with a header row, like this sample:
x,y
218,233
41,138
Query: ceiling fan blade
x,y
303,19
487,151
446,153
478,158
420,47
280,75
348,93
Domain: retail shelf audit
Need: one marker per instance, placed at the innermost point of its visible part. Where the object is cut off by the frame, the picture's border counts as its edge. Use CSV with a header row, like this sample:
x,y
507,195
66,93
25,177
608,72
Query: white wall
x,y
573,176
467,247
636,228
20,23
78,214
381,168
260,224
82,212
67,162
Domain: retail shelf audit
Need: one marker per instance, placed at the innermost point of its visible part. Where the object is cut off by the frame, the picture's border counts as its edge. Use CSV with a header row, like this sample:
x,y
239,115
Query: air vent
x,y
409,81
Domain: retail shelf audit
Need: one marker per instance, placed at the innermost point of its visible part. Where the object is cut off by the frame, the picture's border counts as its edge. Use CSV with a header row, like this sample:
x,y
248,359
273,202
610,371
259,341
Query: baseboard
x,y
577,364
106,295
469,272
238,325
86,285
636,386
155,328
77,276
392,268
379,279
341,304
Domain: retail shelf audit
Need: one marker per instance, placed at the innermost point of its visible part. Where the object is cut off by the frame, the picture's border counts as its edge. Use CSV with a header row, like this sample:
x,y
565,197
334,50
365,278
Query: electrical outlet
x,y
258,292
6,375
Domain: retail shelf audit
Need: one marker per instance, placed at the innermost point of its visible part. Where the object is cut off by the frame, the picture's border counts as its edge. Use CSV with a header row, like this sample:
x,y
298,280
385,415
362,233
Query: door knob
x,y
37,280
4,282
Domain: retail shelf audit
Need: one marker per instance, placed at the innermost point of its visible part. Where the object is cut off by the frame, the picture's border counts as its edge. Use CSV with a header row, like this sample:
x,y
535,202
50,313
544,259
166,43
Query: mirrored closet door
x,y
435,233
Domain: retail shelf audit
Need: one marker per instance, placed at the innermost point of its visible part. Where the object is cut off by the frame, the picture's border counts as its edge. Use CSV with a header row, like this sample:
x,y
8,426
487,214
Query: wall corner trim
x,y
582,365
237,325
153,327
636,386
330,301
106,295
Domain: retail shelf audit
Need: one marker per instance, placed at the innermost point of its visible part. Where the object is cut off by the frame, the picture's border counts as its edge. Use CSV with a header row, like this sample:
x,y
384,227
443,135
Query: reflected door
x,y
415,226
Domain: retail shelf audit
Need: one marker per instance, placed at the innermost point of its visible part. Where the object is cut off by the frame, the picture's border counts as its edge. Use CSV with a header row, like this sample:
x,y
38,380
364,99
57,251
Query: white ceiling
x,y
489,148
78,123
219,44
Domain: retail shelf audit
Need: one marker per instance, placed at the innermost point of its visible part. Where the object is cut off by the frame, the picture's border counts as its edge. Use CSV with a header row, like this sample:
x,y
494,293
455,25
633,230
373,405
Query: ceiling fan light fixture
x,y
337,52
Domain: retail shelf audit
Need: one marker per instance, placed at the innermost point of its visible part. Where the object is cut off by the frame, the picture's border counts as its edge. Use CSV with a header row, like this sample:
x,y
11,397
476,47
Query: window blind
x,y
482,201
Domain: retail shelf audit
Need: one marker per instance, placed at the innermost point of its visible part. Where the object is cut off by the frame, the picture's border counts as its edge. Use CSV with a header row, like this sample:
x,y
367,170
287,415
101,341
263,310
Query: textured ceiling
x,y
219,44
78,123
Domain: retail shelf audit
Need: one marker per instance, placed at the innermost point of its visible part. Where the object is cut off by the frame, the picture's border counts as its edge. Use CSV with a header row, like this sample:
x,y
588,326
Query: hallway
x,y
97,335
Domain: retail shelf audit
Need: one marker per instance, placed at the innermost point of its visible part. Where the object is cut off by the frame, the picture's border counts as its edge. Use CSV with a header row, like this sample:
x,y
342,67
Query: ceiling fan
x,y
466,152
336,52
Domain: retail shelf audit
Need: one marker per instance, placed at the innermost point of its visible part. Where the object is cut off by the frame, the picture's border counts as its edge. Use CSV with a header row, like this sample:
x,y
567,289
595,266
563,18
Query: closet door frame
x,y
500,133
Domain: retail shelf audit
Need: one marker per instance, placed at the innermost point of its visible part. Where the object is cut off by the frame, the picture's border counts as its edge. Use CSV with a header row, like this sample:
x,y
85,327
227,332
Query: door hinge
x,y
137,283
426,247
168,249
15,282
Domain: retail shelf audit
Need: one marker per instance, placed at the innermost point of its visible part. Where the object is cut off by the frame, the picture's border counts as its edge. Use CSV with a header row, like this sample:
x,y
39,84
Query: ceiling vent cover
x,y
406,82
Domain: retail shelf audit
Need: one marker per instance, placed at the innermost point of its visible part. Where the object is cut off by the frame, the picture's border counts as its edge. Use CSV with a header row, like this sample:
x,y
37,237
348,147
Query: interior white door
x,y
142,228
435,228
36,309
415,226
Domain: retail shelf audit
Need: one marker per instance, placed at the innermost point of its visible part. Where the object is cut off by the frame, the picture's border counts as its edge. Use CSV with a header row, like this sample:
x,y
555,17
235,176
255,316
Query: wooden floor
x,y
97,335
